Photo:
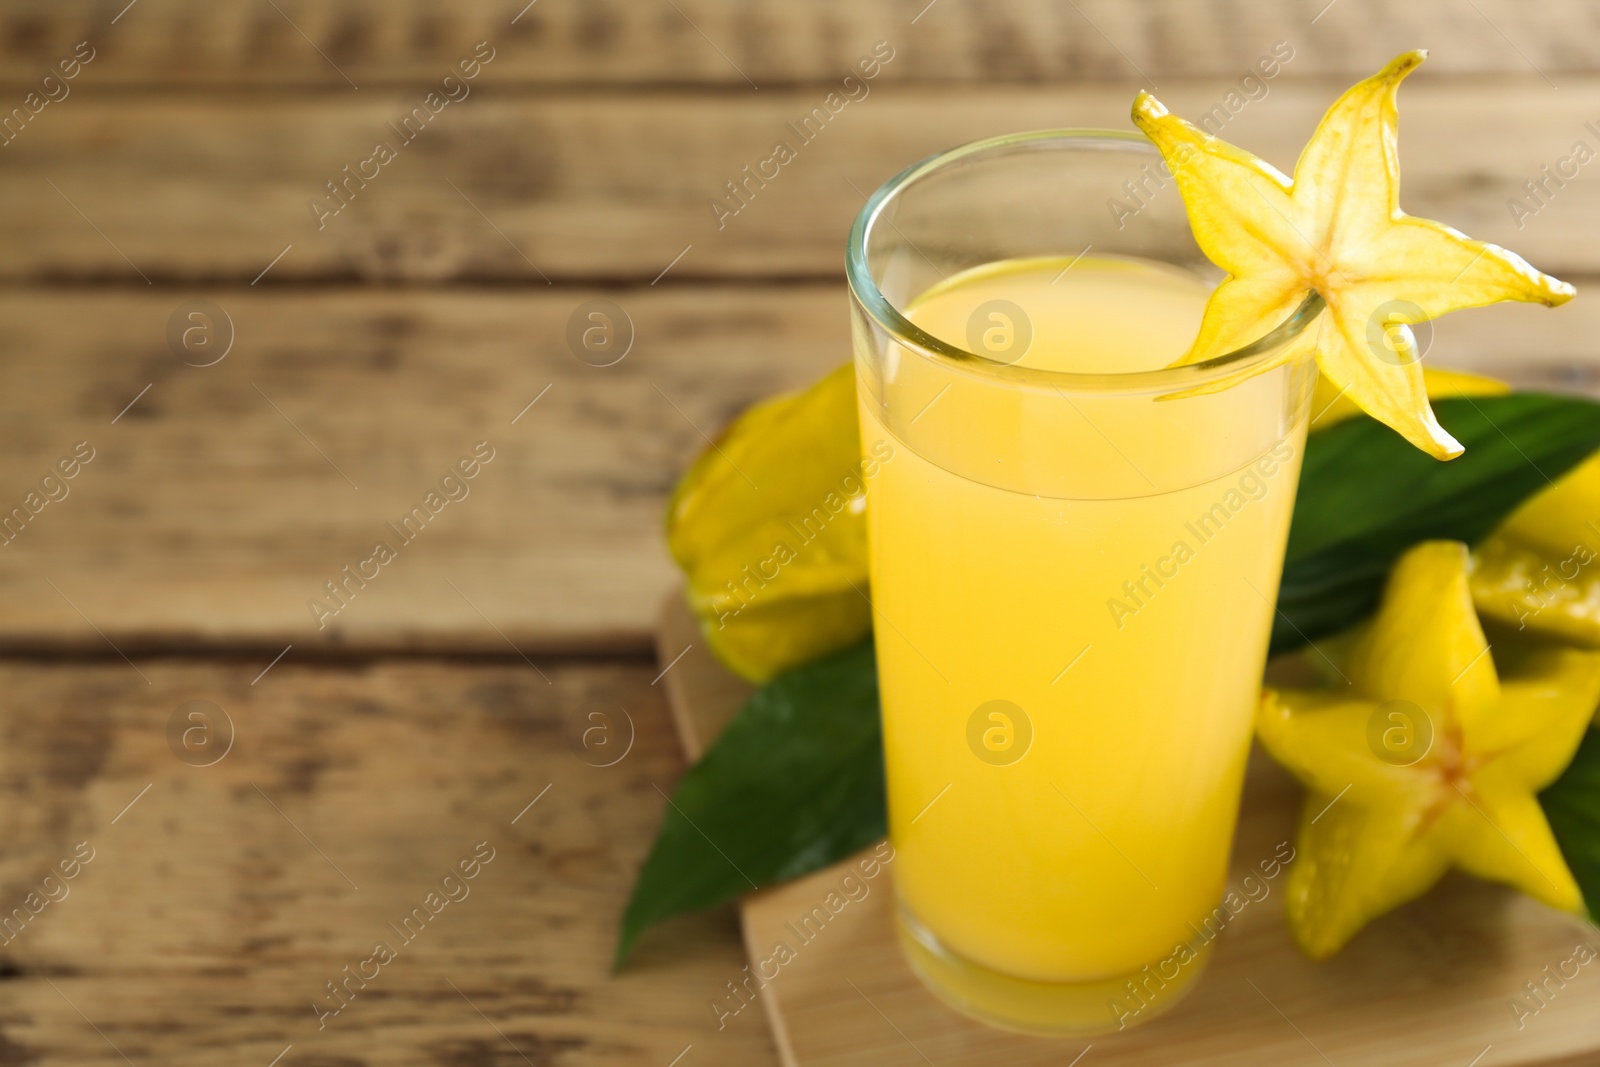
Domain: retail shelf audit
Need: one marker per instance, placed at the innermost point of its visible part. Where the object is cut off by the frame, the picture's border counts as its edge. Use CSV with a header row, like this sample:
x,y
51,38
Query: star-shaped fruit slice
x,y
1336,228
1426,759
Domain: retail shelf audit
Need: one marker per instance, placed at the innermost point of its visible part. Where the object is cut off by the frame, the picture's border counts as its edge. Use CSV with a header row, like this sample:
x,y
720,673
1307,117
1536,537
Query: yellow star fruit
x,y
1336,228
1427,758
769,526
1540,570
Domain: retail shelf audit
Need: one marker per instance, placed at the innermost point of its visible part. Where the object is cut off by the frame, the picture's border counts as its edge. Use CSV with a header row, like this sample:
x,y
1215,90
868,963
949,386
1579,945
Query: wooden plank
x,y
221,899
608,186
219,504
1430,983
208,516
720,42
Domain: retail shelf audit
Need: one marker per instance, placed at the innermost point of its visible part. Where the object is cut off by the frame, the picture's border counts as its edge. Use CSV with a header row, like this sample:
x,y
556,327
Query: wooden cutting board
x,y
1433,983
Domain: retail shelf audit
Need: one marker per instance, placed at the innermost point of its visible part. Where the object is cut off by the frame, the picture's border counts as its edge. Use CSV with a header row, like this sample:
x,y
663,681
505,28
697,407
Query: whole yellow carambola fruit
x,y
769,526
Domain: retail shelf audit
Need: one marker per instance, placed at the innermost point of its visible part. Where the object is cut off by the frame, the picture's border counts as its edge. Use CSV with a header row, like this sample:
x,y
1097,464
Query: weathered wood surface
x,y
1432,983
720,42
219,904
208,519
617,186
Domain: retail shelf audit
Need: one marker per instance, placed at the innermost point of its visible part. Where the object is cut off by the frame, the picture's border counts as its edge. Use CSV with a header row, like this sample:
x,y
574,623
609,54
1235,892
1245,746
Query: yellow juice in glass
x,y
1073,595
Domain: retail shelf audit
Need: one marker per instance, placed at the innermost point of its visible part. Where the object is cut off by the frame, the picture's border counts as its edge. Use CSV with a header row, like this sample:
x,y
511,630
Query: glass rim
x,y
858,274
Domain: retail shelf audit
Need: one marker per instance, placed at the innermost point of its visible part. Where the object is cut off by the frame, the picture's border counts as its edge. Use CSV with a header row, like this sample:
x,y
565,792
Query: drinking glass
x,y
1073,583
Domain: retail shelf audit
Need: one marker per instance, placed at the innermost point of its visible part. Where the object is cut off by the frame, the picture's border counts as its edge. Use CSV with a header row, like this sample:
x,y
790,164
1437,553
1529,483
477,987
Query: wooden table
x,y
375,747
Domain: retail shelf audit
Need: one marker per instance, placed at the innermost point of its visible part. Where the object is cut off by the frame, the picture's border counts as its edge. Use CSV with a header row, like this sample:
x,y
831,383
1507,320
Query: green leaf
x,y
794,783
1366,495
1572,804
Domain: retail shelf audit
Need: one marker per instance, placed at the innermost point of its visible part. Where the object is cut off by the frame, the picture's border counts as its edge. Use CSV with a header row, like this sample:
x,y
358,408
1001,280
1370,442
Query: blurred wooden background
x,y
371,353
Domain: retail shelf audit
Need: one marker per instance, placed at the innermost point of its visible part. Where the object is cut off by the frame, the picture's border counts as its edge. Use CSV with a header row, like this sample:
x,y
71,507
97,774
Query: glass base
x,y
1048,1009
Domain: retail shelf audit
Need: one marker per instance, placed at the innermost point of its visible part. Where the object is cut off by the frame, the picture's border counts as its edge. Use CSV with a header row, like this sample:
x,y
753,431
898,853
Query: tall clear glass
x,y
1073,581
